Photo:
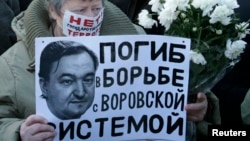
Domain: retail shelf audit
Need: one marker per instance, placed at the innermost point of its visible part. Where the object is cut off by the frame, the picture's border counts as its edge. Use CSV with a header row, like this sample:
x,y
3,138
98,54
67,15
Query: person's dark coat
x,y
131,7
9,9
231,90
24,4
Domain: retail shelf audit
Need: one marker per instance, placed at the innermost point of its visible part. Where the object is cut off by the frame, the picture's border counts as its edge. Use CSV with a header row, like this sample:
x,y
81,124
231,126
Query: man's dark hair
x,y
54,51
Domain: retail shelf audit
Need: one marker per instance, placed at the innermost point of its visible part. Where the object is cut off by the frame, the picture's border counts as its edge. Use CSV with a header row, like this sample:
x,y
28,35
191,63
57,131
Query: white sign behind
x,y
141,89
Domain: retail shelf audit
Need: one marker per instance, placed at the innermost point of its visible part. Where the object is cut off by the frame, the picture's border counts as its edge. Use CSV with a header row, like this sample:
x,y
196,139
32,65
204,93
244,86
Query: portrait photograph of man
x,y
67,78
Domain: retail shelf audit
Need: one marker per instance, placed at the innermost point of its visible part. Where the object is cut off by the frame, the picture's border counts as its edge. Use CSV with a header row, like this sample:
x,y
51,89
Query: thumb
x,y
201,97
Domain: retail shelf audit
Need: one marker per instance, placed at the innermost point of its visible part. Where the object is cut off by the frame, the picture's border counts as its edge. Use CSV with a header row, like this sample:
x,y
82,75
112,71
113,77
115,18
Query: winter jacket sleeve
x,y
245,112
212,116
9,123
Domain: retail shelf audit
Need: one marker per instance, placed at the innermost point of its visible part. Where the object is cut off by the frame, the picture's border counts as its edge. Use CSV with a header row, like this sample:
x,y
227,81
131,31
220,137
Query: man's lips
x,y
78,101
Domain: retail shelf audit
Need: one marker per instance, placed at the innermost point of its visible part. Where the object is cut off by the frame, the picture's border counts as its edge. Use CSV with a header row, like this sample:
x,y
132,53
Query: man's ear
x,y
43,86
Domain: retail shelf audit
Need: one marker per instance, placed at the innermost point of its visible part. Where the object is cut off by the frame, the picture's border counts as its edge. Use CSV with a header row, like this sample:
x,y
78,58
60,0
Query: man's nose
x,y
80,90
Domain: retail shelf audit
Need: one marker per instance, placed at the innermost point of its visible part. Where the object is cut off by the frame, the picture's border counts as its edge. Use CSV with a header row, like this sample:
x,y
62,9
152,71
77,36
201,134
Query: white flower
x,y
171,3
197,58
234,49
221,14
205,5
196,3
208,23
145,20
156,5
231,4
242,29
168,14
182,4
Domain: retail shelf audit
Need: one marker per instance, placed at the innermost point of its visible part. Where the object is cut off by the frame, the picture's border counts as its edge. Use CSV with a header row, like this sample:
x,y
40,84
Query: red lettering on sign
x,y
88,23
76,33
77,21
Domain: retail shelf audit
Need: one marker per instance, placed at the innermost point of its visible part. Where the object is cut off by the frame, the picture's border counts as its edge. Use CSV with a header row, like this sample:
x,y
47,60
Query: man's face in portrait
x,y
70,89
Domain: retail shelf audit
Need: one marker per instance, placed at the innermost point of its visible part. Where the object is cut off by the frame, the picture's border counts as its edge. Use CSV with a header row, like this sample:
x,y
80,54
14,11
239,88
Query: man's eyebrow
x,y
90,74
67,75
73,76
